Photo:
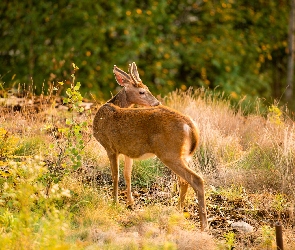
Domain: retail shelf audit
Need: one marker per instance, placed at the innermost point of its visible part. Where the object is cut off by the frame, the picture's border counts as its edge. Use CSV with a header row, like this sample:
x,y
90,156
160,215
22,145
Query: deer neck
x,y
120,99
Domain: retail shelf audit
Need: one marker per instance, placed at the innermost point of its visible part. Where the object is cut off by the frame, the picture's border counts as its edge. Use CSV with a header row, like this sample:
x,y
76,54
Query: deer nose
x,y
157,103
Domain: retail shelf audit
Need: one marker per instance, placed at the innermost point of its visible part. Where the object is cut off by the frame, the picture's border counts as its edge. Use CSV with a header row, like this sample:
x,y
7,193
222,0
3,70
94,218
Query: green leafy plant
x,y
8,144
71,149
73,132
275,115
67,149
267,237
279,203
74,96
229,240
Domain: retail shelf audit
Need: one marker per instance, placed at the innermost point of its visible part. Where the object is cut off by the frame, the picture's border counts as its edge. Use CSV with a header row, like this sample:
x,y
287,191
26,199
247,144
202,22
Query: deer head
x,y
135,92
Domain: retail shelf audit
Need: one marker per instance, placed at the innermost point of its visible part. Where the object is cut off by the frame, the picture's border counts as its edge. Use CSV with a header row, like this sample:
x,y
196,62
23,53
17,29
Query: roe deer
x,y
142,132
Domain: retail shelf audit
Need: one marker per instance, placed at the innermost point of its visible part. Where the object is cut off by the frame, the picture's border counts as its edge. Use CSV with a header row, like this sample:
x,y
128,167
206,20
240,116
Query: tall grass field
x,y
56,184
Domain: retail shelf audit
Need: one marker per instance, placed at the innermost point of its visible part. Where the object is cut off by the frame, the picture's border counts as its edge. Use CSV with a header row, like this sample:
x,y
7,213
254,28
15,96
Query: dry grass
x,y
233,144
253,152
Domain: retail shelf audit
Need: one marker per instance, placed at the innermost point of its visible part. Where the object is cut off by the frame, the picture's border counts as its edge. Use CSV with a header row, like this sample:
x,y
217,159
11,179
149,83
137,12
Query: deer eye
x,y
141,92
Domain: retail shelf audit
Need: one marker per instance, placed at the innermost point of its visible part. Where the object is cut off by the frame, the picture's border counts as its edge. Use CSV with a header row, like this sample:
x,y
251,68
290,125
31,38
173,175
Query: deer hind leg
x,y
114,162
179,166
127,177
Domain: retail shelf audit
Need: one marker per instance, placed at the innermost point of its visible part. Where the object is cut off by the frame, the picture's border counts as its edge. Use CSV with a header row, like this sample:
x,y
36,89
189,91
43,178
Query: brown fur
x,y
136,132
153,129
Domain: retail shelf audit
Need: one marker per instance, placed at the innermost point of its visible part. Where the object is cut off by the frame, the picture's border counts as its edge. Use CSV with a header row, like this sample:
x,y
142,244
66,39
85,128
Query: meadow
x,y
56,185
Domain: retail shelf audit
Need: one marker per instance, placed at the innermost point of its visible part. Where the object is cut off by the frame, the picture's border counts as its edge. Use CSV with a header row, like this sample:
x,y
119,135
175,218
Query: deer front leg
x,y
183,185
114,162
127,176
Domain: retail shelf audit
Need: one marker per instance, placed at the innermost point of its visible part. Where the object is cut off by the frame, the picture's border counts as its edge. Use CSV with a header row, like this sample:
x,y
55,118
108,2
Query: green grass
x,y
146,172
30,146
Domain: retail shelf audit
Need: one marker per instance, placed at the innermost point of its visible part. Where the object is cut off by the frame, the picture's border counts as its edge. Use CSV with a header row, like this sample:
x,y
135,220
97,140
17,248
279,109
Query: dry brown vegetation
x,y
247,162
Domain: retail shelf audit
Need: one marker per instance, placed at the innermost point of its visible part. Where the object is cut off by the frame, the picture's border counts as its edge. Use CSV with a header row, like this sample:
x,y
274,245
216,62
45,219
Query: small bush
x,y
30,218
8,144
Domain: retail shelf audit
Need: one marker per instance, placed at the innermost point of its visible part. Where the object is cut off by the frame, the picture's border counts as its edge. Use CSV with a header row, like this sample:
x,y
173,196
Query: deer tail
x,y
194,138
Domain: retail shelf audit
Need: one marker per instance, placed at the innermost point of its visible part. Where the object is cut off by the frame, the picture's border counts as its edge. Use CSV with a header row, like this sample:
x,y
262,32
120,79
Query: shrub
x,y
30,218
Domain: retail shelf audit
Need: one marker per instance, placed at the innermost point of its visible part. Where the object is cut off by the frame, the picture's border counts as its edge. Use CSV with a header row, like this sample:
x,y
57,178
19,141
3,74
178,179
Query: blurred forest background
x,y
239,47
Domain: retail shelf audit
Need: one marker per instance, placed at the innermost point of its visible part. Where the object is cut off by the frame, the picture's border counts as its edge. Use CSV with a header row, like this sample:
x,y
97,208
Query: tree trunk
x,y
290,66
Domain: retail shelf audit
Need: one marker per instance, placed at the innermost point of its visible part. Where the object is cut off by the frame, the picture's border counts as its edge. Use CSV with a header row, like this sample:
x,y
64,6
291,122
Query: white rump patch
x,y
188,158
186,128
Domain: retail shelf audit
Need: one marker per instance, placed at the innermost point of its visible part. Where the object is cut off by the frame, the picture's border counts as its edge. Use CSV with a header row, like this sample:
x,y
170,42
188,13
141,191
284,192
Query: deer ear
x,y
134,72
122,77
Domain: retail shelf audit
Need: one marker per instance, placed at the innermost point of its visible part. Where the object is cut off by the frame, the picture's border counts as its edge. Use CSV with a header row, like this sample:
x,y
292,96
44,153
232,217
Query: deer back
x,y
138,131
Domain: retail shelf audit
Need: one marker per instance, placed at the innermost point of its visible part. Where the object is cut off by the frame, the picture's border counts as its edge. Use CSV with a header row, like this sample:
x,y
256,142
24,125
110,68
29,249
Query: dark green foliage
x,y
240,46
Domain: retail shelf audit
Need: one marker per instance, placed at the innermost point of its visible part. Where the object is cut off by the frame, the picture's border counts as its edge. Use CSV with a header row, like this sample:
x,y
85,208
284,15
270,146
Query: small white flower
x,y
54,188
66,193
5,186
